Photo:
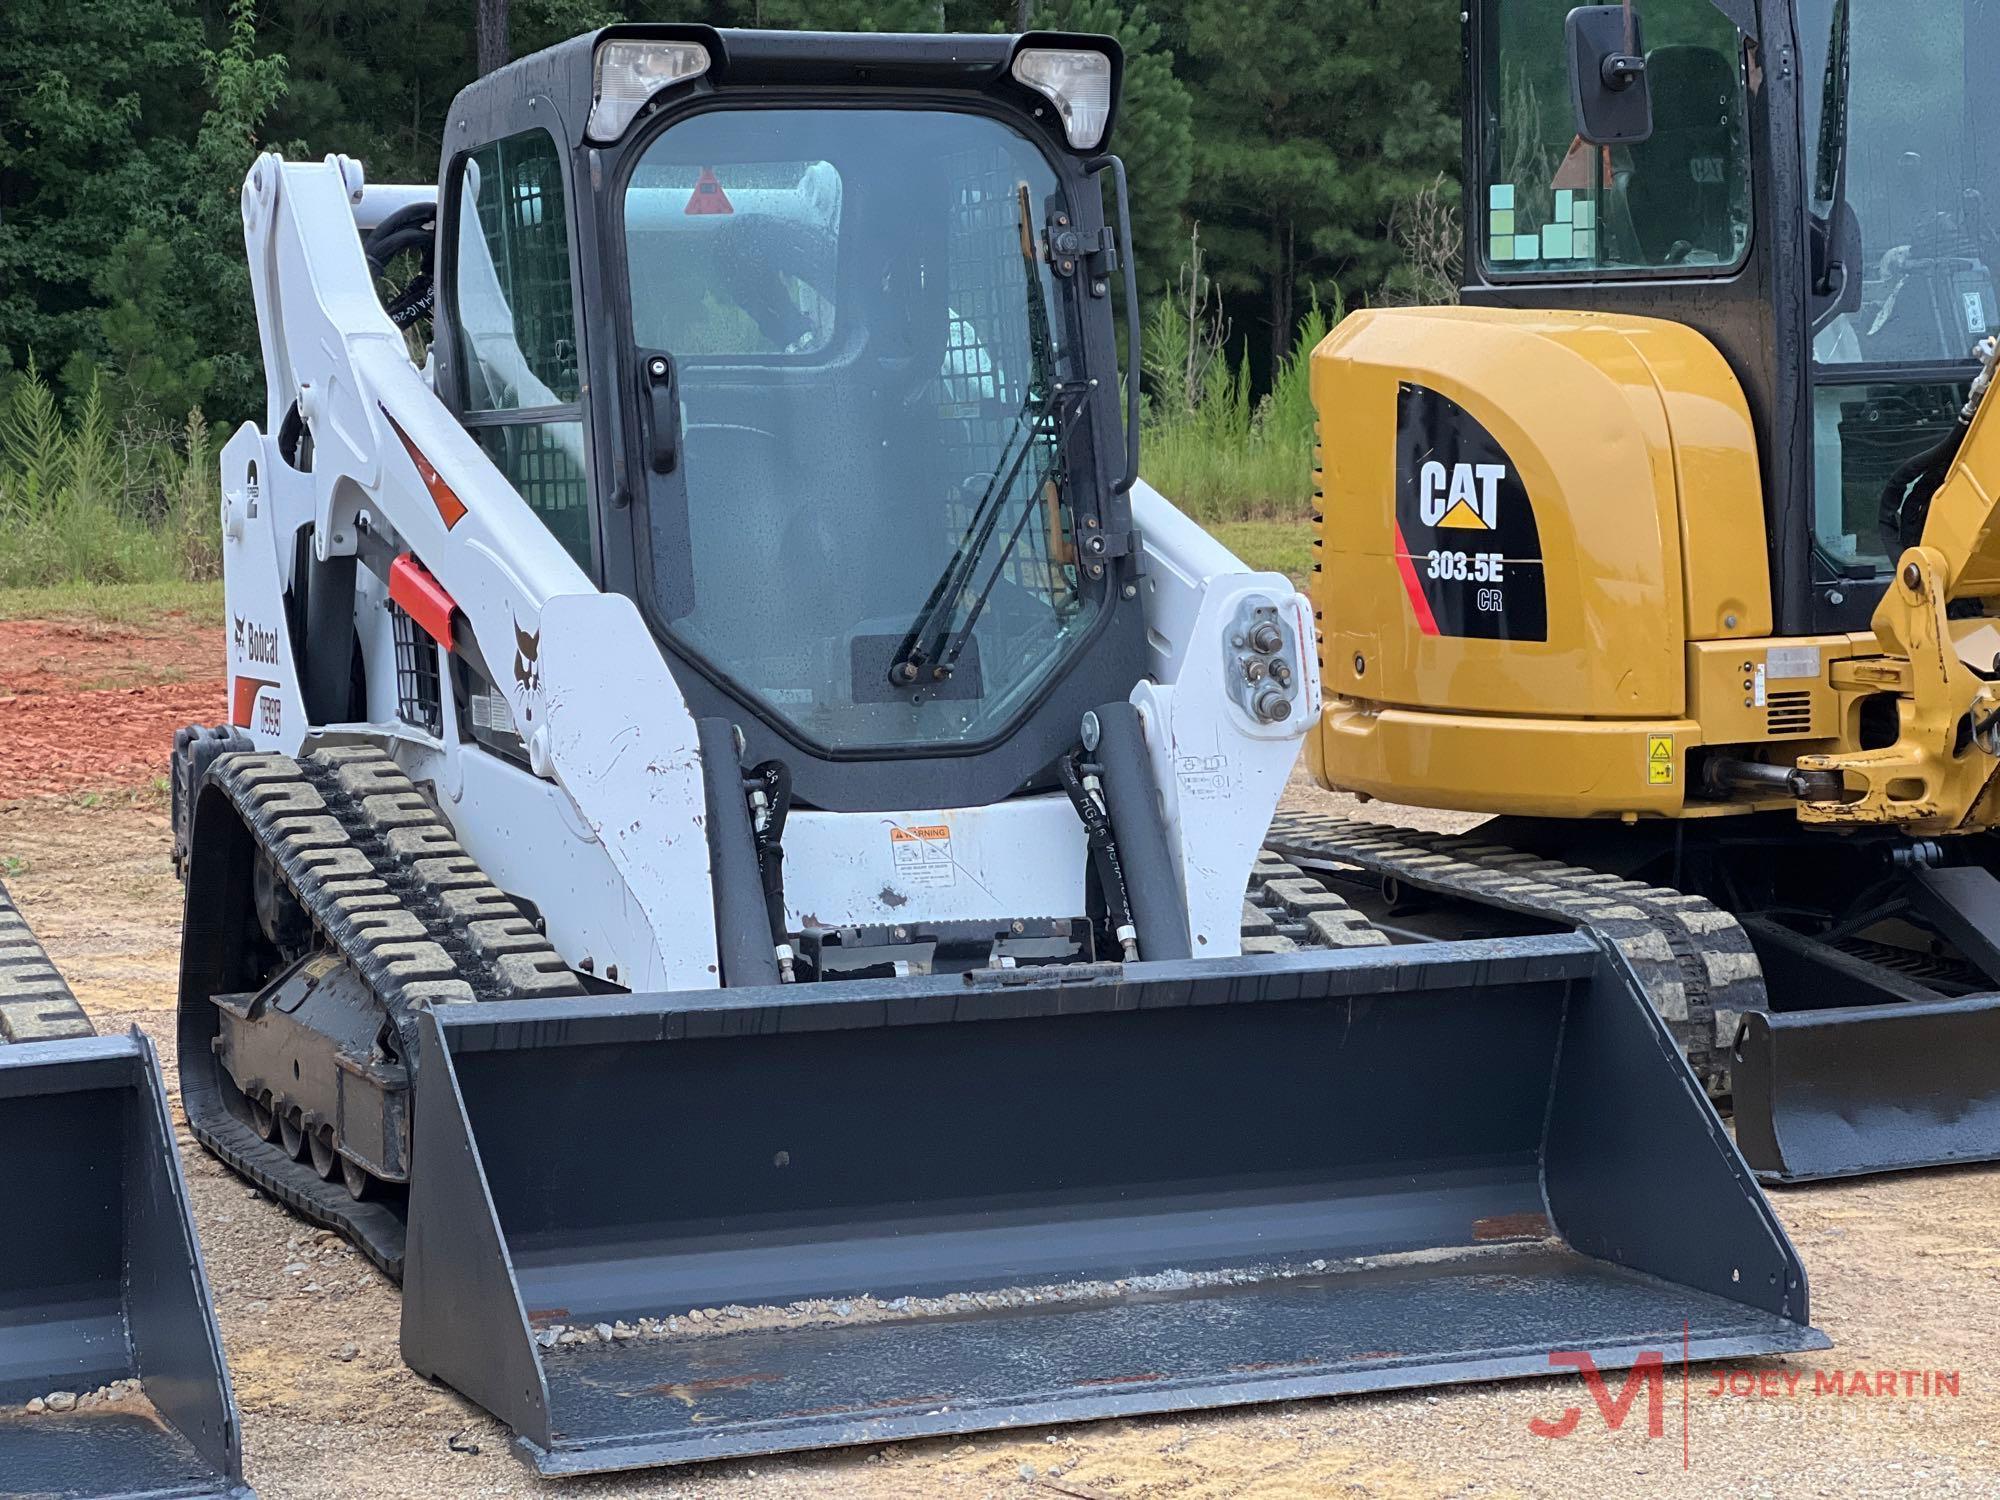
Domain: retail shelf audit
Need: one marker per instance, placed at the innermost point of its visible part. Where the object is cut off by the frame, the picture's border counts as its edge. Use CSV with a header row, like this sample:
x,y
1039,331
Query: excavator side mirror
x,y
1608,87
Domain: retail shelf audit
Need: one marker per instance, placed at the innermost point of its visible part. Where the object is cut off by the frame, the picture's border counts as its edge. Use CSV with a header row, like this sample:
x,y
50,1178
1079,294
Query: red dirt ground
x,y
86,707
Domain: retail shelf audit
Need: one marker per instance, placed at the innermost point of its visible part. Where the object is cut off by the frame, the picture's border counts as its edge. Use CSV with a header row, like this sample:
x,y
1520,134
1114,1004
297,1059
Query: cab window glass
x,y
878,415
1922,174
1554,203
515,315
1901,107
514,309
1862,434
753,249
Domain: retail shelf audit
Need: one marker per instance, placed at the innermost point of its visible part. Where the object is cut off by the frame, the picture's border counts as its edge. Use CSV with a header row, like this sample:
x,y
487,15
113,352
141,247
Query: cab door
x,y
512,375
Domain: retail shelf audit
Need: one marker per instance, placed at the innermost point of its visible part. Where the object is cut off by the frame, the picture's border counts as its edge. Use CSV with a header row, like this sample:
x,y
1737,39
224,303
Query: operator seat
x,y
1684,177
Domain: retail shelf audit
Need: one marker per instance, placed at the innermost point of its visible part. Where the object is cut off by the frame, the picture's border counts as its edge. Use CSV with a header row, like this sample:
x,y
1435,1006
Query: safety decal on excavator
x,y
1660,760
1467,546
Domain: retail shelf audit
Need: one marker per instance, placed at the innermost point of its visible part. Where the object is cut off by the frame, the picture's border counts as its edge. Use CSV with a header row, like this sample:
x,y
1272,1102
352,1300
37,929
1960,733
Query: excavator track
x,y
390,890
1693,958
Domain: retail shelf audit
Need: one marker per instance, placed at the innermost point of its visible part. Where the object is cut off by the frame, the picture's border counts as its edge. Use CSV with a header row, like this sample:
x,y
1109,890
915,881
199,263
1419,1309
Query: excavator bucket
x,y
111,1373
820,1215
1845,1091
1877,1073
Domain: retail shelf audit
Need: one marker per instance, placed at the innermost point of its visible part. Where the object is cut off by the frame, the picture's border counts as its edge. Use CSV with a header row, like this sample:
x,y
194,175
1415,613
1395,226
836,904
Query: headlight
x,y
1077,83
628,73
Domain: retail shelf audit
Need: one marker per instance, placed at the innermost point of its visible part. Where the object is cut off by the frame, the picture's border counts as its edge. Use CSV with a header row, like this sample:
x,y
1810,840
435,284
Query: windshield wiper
x,y
1830,171
930,648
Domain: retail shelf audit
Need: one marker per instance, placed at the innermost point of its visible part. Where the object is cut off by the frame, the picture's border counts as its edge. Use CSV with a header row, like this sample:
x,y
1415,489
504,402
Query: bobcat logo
x,y
254,642
528,659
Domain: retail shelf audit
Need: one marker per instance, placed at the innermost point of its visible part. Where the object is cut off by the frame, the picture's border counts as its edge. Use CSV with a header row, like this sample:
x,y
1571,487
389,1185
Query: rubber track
x,y
35,1000
1287,909
1693,958
378,870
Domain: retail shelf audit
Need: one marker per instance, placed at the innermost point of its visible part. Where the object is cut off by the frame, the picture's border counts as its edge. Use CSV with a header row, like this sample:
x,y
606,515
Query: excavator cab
x,y
1665,546
1855,343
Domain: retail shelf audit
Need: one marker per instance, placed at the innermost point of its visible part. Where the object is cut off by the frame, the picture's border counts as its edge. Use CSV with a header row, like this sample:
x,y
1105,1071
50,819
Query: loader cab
x,y
806,344
1806,184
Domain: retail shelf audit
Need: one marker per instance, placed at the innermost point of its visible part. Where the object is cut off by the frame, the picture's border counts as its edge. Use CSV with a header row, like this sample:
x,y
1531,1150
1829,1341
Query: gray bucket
x,y
101,1286
821,1215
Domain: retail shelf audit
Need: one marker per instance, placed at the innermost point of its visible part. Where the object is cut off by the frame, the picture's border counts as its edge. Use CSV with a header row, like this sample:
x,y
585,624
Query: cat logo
x,y
1465,495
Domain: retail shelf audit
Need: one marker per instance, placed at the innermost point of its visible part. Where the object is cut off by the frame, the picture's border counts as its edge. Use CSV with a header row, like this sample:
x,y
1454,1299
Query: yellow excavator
x,y
1675,548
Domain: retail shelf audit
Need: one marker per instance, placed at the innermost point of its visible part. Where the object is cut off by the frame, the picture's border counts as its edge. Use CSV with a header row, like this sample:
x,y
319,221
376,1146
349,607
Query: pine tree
x,y
1153,136
98,107
121,250
1313,121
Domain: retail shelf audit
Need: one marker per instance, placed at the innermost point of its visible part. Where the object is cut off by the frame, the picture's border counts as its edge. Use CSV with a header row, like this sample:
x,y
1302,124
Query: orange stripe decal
x,y
243,698
449,507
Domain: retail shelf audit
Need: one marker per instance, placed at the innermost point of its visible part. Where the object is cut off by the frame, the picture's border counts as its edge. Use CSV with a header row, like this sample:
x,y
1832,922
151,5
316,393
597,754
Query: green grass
x,y
1223,458
84,500
113,603
1222,479
120,523
1278,546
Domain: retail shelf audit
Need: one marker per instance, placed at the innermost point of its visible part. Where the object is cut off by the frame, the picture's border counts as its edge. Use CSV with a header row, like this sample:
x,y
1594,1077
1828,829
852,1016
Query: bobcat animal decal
x,y
528,659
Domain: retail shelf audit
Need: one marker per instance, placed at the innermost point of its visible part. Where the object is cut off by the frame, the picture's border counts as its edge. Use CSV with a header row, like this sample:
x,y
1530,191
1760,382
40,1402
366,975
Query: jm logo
x,y
1465,495
1646,1374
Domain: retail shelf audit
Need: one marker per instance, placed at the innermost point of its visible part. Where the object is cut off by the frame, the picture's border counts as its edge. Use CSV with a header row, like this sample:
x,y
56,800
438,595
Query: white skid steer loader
x,y
727,871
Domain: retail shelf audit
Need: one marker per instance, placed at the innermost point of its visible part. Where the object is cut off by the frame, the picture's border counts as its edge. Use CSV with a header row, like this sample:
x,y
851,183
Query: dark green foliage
x,y
124,135
92,136
852,15
1313,122
1294,132
142,352
1154,136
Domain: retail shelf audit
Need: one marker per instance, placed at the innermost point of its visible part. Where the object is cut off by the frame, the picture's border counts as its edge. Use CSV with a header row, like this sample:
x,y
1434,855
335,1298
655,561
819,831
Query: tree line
x,y
1298,134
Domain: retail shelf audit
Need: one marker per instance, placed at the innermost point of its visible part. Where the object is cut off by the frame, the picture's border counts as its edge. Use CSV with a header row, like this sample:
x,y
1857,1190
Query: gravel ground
x,y
1905,1276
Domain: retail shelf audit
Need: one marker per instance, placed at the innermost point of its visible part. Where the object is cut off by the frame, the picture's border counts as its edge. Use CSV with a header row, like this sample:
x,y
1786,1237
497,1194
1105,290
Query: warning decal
x,y
1467,546
923,855
708,196
1660,760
